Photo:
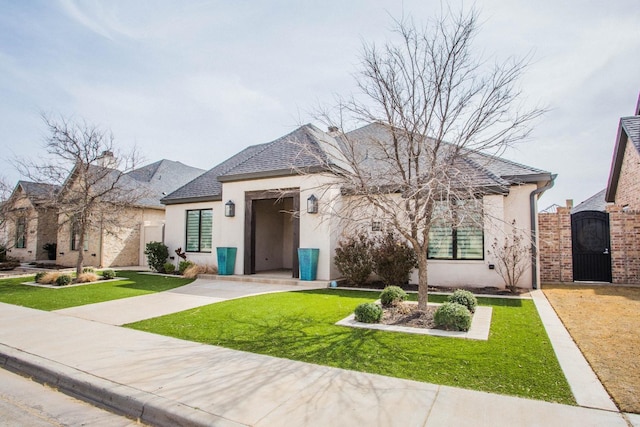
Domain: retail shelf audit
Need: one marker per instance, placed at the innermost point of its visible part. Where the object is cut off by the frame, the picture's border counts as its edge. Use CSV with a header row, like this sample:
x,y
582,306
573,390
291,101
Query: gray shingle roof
x,y
163,177
279,157
37,191
631,126
307,147
593,203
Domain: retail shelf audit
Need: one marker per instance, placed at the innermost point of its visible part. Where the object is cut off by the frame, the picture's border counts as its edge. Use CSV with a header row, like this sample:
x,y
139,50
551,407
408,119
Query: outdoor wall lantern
x,y
312,204
229,209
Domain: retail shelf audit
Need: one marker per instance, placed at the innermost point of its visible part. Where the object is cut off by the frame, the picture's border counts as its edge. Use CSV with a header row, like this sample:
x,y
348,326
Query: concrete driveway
x,y
196,294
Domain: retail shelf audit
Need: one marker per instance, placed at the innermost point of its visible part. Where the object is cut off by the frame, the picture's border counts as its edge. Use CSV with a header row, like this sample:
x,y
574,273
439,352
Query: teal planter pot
x,y
308,260
226,261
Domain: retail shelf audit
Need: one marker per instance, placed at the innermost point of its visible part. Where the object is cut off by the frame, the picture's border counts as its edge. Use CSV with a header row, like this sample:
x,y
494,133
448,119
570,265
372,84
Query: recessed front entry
x,y
272,232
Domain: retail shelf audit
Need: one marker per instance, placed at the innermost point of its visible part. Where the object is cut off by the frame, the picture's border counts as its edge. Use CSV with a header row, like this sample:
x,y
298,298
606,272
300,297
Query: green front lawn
x,y
517,359
12,291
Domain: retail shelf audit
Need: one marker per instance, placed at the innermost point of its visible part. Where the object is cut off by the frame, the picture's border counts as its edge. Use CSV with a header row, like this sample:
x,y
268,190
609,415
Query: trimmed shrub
x,y
87,277
452,317
194,270
157,253
169,268
392,295
88,270
184,265
39,277
63,280
353,258
49,278
393,260
108,274
465,298
368,312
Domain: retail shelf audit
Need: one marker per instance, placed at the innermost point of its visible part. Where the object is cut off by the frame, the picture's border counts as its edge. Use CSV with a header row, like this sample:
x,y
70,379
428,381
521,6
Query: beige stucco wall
x,y
323,230
175,233
499,212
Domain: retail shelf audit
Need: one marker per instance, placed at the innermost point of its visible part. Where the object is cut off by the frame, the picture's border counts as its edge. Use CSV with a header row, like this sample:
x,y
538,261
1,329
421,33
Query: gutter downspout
x,y
534,231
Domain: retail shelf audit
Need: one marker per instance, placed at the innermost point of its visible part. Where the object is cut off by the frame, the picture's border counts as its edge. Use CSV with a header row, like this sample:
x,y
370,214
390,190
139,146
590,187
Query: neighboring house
x,y
271,220
623,188
599,239
30,221
143,222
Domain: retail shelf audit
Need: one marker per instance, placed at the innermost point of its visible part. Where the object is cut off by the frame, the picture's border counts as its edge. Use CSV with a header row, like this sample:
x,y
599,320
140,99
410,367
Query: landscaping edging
x,y
480,326
40,285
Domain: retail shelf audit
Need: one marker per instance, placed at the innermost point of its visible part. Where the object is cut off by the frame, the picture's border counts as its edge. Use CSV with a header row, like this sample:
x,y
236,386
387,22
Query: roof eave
x,y
616,164
184,200
271,174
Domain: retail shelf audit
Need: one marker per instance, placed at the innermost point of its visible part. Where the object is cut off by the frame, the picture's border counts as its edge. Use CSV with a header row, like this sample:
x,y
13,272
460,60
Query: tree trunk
x,y
80,261
423,285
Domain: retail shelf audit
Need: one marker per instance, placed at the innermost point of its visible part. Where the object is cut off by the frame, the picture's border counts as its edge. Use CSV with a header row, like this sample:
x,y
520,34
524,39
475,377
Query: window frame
x,y
21,223
455,250
200,235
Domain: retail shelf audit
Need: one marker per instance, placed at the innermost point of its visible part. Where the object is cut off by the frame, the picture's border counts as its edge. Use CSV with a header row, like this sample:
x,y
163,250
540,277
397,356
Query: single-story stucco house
x,y
257,202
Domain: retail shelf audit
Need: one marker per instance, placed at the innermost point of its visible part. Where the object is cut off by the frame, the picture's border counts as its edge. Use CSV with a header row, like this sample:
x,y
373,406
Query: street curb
x,y
118,398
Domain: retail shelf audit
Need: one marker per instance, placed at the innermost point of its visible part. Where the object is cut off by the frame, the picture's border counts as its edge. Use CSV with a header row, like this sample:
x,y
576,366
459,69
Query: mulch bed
x,y
408,315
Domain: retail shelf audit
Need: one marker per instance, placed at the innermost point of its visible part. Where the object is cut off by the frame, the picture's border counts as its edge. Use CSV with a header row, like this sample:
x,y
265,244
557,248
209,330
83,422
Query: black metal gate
x,y
591,246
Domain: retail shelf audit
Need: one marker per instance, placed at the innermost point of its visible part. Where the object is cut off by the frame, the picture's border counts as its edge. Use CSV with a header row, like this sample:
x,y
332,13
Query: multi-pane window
x,y
21,232
199,230
456,232
75,237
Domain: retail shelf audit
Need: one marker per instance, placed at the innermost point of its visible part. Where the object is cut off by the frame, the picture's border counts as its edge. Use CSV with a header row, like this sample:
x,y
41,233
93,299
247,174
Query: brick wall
x,y
554,240
625,245
556,263
628,190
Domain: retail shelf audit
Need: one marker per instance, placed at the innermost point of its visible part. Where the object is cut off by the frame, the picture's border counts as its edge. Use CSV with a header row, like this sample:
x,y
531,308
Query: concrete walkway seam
x,y
118,398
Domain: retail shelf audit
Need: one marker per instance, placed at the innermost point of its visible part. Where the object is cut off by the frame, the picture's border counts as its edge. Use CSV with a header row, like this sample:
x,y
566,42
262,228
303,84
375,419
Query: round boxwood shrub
x,y
63,280
465,298
368,312
392,295
169,268
452,317
39,276
108,274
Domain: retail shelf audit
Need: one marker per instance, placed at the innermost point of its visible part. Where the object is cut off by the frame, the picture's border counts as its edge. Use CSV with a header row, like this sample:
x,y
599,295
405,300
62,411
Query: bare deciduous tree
x,y
512,255
435,106
95,190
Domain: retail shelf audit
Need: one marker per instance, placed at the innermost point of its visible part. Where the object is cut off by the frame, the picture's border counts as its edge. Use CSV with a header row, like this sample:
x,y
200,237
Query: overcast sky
x,y
197,81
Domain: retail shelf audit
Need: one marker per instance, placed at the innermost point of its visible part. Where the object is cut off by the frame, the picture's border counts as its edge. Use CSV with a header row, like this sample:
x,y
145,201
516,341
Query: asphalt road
x,y
26,403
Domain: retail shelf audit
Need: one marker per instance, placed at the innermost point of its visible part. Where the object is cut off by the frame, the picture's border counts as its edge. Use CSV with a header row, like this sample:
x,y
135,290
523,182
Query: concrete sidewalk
x,y
167,381
196,294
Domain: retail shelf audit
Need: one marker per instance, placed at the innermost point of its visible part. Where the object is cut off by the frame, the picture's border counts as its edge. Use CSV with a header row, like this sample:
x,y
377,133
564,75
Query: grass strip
x,y
516,360
12,291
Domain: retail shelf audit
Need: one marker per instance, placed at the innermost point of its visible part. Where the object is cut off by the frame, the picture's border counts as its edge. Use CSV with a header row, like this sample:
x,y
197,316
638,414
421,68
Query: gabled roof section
x,y
37,193
628,130
480,169
310,149
596,202
300,149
